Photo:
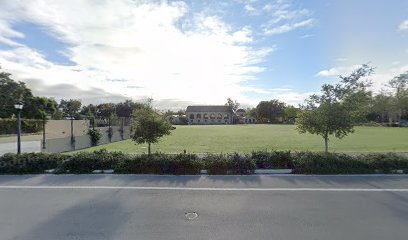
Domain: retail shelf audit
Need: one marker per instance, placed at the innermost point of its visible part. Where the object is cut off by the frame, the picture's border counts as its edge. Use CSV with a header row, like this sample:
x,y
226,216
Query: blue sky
x,y
199,52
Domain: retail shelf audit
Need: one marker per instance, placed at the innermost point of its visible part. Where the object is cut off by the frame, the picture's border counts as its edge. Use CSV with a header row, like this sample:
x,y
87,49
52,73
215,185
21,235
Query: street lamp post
x,y
19,107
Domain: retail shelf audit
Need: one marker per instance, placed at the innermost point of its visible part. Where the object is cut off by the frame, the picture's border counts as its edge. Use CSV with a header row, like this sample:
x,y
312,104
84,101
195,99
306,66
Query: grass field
x,y
246,138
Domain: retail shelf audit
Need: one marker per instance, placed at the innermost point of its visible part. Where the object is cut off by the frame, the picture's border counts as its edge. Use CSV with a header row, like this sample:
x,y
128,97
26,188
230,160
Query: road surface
x,y
203,207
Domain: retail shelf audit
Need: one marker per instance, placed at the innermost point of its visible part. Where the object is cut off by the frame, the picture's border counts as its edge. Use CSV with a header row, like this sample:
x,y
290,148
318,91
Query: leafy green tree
x,y
270,111
89,111
71,108
149,127
400,85
107,111
233,105
338,108
382,106
251,112
40,107
12,92
125,109
290,113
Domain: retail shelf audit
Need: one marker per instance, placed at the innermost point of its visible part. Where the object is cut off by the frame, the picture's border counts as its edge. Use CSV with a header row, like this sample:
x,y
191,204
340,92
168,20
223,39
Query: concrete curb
x,y
273,171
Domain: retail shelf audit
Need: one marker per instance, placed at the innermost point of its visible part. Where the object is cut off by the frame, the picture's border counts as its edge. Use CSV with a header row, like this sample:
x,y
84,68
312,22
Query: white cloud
x,y
203,61
379,78
403,26
289,27
307,36
329,72
284,17
293,98
249,8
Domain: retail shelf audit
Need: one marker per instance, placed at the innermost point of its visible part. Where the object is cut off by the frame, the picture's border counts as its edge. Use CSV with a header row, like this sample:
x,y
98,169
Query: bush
x,y
29,162
316,163
183,164
386,162
273,160
85,162
229,164
130,164
304,163
95,135
157,163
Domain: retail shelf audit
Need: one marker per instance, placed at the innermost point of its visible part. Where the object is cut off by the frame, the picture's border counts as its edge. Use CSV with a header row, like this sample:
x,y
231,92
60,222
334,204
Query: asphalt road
x,y
228,207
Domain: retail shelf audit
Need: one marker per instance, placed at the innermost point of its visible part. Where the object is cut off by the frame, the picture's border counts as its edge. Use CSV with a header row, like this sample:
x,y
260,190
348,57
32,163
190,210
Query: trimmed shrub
x,y
185,164
229,164
130,164
385,162
26,163
273,160
84,162
157,163
180,164
316,163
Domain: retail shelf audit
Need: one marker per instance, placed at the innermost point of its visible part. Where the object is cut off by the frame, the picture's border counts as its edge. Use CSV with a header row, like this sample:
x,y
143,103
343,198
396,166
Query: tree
x,y
149,127
70,108
107,111
12,92
290,113
270,111
338,108
90,112
125,109
40,107
400,85
233,105
250,112
382,106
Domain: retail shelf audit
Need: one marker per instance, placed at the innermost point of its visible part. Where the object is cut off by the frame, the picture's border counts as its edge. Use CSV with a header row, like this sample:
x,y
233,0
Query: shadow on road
x,y
99,217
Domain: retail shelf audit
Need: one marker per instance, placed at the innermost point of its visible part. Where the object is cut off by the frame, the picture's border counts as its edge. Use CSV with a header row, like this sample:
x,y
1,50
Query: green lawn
x,y
246,138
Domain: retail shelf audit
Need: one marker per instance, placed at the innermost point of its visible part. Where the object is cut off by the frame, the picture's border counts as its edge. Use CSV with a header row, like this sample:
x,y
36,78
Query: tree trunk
x,y
43,140
326,146
110,130
72,133
148,149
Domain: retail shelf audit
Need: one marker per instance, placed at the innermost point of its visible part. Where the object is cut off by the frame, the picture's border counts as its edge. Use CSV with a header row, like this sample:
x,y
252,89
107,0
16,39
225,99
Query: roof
x,y
208,108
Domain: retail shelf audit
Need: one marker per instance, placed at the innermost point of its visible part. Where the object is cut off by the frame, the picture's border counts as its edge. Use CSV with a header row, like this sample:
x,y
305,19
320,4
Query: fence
x,y
56,145
58,137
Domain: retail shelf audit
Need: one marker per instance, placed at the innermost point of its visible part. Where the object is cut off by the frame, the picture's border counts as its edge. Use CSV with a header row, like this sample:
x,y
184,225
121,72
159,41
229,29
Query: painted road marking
x,y
212,189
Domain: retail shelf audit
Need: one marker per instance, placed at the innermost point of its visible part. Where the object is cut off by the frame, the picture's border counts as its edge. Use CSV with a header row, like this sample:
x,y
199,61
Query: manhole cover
x,y
191,215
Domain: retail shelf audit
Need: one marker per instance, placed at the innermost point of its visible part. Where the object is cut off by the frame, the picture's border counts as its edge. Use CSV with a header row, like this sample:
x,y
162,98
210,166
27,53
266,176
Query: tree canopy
x,y
70,107
270,111
233,105
149,127
338,108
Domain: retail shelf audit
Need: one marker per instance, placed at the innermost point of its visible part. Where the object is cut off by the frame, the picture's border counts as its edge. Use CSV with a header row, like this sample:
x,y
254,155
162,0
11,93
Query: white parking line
x,y
213,189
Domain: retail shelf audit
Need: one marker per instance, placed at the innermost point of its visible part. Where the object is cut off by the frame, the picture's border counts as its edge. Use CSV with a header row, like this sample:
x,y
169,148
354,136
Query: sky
x,y
198,52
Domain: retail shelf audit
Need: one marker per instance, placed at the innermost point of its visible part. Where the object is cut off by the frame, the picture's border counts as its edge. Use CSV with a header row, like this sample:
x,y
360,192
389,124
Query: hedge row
x,y
157,163
301,163
317,163
11,163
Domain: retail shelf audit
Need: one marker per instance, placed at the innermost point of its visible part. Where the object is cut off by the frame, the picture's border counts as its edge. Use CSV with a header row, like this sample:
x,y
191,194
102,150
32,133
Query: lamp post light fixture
x,y
19,107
